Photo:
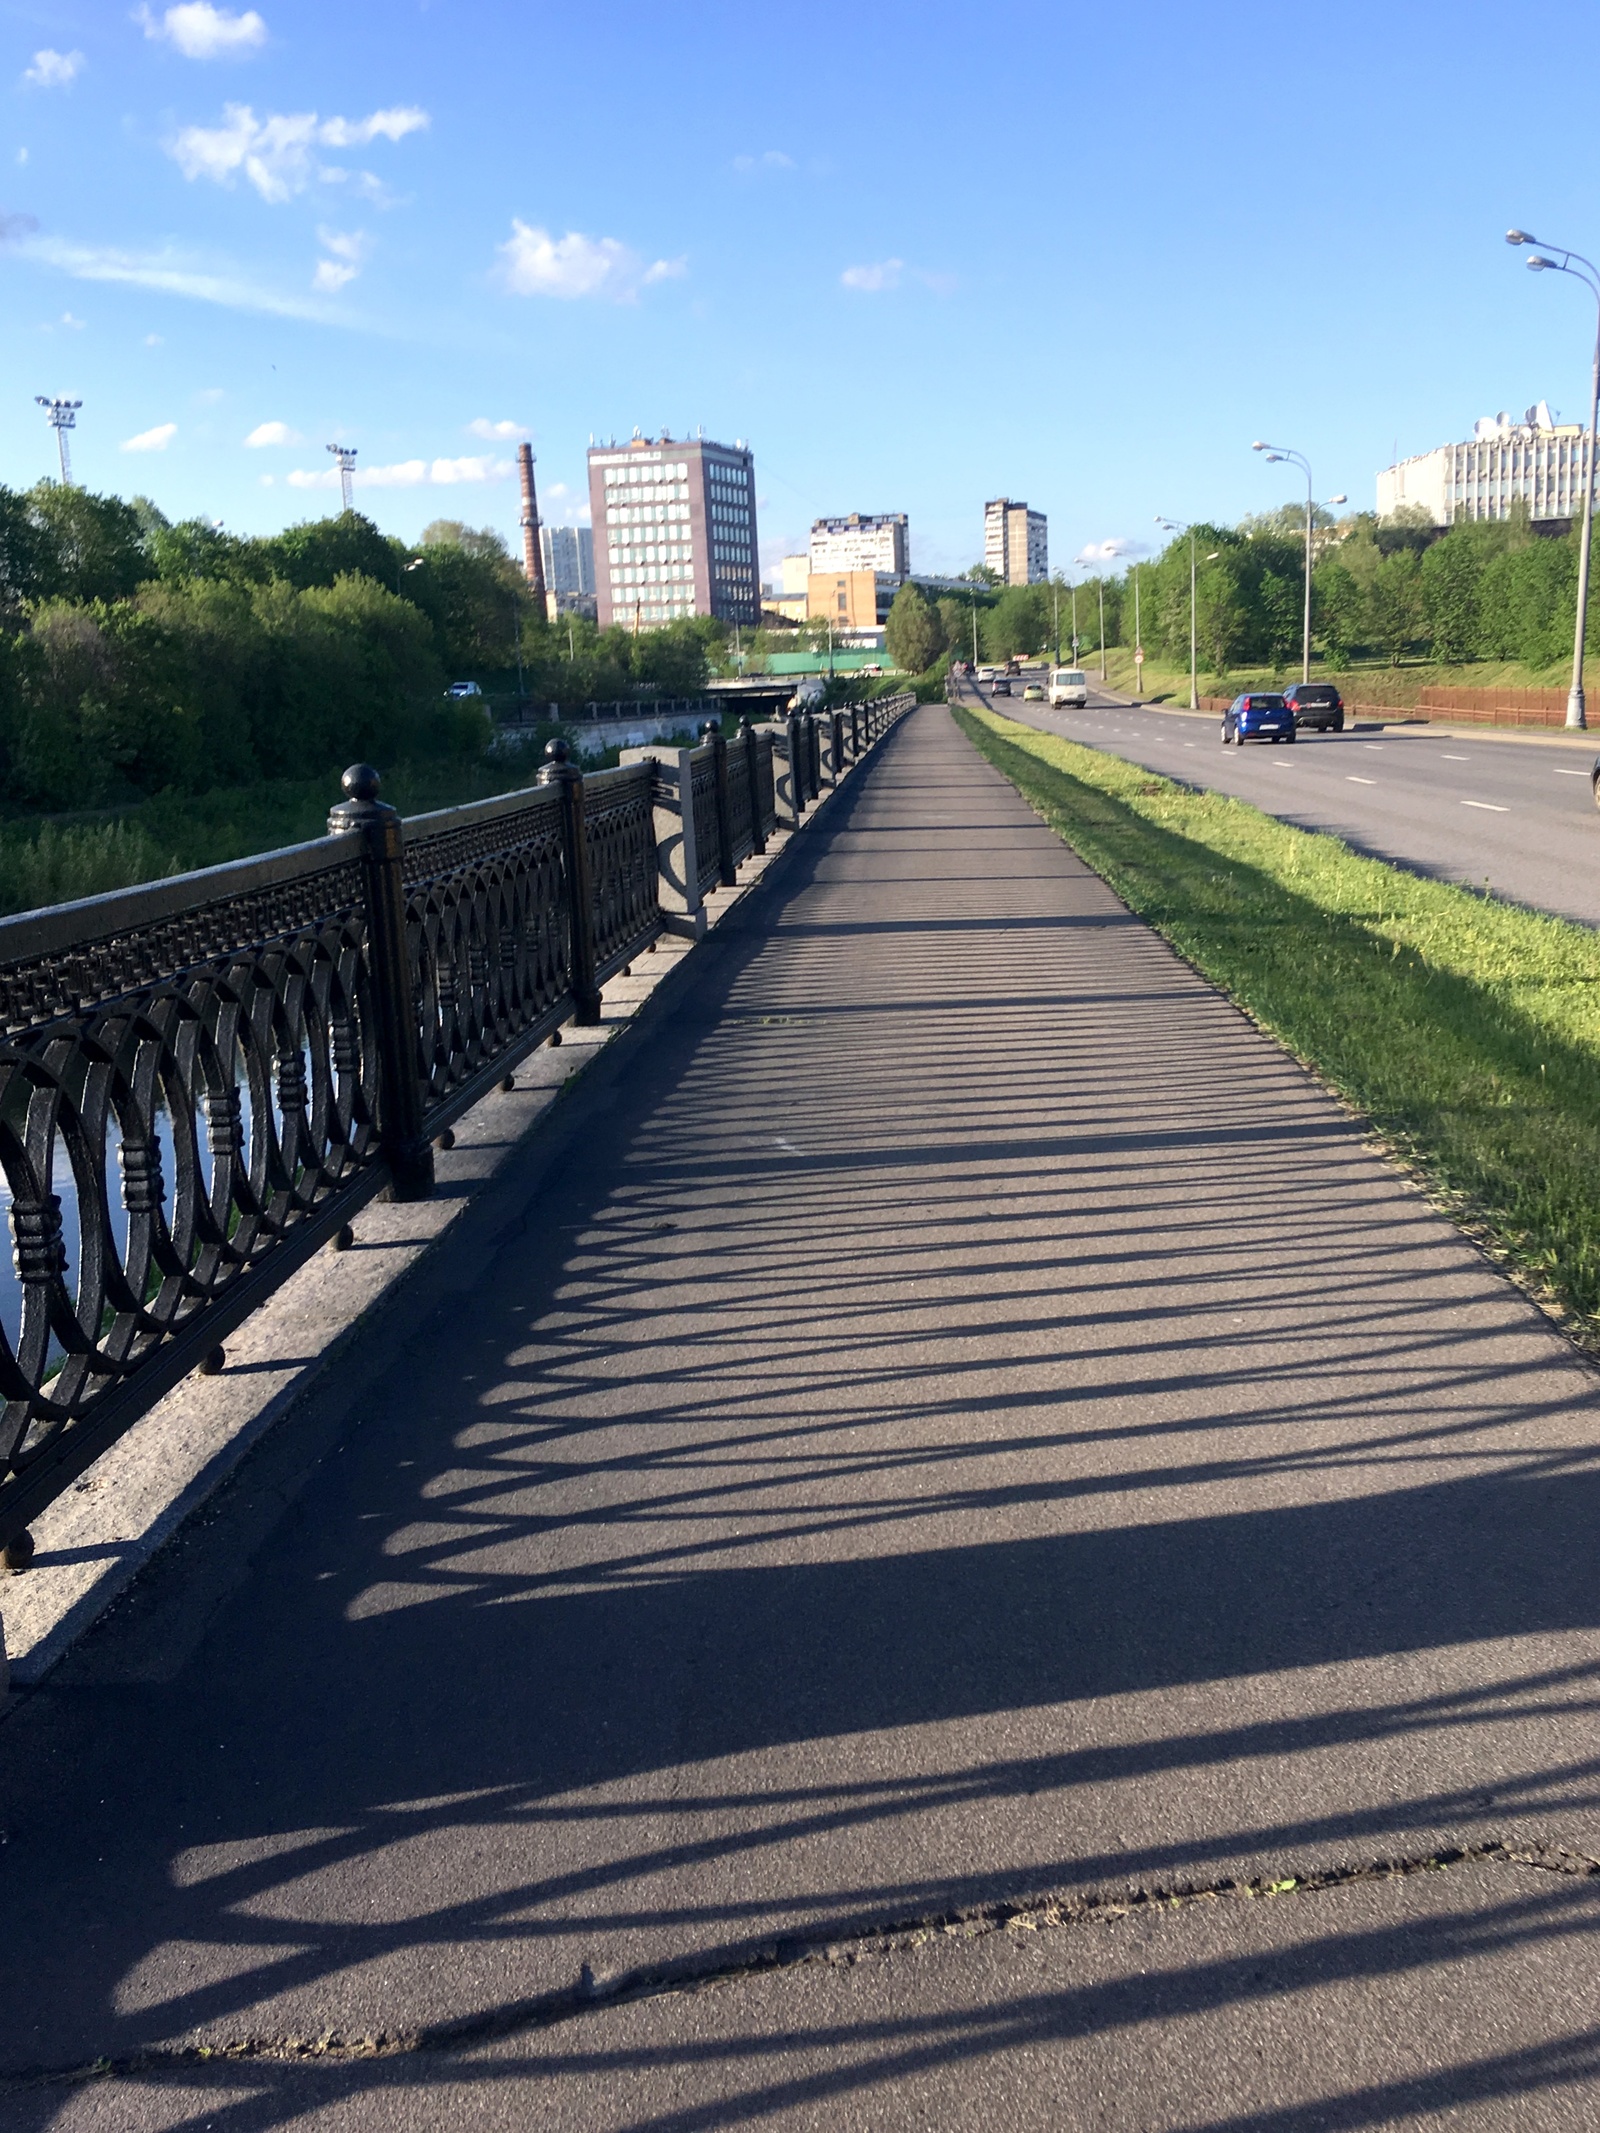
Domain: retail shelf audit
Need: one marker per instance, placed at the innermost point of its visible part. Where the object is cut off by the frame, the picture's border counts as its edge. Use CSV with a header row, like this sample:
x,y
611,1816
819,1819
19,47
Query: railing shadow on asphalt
x,y
733,2065
499,1640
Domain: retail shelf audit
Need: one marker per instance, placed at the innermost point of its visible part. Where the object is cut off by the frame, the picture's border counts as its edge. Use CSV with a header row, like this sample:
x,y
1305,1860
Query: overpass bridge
x,y
948,1543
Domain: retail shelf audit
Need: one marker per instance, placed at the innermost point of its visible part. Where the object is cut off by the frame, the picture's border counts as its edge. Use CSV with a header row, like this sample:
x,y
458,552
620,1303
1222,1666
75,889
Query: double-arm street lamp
x,y
1298,459
1172,526
1583,270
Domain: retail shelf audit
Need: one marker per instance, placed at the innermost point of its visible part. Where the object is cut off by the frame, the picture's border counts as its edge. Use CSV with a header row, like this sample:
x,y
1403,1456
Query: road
x,y
1515,815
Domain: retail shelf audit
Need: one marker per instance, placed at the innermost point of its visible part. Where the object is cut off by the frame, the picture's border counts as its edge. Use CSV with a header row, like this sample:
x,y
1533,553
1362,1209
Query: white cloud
x,y
407,474
883,274
349,249
155,440
154,340
200,31
533,263
278,154
266,433
497,432
54,70
22,155
172,272
772,159
1116,550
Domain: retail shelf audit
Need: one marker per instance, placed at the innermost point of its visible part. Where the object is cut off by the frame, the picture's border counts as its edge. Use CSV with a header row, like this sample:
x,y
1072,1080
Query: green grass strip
x,y
1466,1030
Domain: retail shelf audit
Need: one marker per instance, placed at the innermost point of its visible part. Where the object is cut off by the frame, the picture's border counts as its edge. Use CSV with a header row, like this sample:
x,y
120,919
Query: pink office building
x,y
674,531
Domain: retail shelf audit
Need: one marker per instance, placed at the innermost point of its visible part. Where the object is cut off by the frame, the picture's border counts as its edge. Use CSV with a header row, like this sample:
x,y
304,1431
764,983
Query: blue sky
x,y
917,256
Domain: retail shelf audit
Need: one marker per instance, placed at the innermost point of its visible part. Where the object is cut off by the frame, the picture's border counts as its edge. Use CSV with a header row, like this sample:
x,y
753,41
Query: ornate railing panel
x,y
741,811
619,818
703,799
201,1080
200,1100
766,796
489,930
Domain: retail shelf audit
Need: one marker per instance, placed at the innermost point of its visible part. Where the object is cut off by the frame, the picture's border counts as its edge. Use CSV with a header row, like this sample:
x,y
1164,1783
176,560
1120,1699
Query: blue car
x,y
1257,718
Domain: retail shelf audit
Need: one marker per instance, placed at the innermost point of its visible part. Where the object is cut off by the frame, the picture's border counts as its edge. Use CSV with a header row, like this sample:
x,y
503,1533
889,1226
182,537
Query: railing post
x,y
580,889
835,744
401,1135
711,733
855,733
752,757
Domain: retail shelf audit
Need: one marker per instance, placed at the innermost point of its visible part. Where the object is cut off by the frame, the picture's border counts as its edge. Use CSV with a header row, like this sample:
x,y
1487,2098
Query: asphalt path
x,y
1514,816
944,1416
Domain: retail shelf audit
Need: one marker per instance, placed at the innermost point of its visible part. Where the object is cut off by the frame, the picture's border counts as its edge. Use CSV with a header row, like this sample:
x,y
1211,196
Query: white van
x,y
1068,685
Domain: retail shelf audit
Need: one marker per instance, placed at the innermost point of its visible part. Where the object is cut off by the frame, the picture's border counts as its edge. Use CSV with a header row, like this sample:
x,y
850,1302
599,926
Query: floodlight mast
x,y
1583,270
62,415
346,456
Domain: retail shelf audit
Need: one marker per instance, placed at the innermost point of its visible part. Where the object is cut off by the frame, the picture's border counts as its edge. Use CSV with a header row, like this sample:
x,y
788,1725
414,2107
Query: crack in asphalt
x,y
591,1993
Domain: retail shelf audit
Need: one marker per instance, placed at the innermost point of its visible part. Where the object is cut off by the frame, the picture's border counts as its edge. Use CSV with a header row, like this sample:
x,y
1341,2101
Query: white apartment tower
x,y
880,543
1015,546
1536,462
674,531
568,558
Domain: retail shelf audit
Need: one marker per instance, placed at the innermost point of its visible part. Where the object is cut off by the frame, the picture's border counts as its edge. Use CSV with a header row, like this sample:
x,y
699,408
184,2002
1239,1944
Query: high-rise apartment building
x,y
568,558
859,542
1015,546
674,531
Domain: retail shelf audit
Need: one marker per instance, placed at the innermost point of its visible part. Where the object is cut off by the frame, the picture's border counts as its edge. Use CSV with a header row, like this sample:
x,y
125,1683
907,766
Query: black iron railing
x,y
202,1080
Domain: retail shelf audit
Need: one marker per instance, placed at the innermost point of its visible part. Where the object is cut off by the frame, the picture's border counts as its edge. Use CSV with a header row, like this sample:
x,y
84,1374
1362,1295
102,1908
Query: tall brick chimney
x,y
532,555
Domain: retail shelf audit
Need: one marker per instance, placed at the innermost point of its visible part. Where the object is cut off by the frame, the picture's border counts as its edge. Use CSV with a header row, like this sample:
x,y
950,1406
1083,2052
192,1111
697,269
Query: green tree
x,y
1394,603
92,547
1222,620
318,551
1452,580
914,636
1338,608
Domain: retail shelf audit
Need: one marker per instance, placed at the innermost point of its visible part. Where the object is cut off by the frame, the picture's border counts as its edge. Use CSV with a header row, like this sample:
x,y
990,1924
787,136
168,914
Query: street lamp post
x,y
1100,587
1138,638
1583,270
1194,693
1298,459
1074,625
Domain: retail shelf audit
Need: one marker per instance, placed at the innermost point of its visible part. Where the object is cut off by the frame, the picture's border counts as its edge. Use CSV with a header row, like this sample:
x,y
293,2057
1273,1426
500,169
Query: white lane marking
x,y
788,1147
1488,807
1455,759
1361,781
1559,773
1369,744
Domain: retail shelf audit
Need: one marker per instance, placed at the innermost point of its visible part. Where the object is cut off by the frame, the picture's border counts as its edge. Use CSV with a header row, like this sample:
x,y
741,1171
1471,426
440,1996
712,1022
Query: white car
x,y
1069,685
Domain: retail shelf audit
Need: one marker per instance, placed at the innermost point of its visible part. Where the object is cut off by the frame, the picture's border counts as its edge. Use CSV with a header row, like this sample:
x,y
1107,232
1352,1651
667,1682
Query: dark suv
x,y
1316,703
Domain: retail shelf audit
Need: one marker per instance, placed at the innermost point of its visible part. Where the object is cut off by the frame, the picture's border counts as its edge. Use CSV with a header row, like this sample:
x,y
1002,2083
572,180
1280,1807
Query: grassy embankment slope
x,y
1465,1030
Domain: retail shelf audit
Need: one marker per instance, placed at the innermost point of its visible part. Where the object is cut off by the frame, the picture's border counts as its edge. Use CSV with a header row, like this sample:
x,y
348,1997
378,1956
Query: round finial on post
x,y
709,728
558,767
361,782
